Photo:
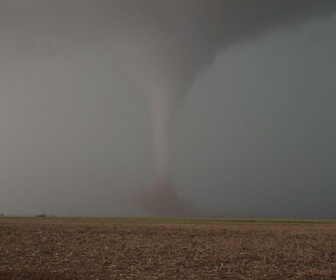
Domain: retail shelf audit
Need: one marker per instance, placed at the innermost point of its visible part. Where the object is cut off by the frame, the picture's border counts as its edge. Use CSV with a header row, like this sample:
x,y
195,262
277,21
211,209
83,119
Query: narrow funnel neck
x,y
162,110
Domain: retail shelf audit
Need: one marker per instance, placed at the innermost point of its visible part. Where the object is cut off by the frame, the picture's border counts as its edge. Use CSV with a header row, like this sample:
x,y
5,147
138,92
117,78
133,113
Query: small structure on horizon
x,y
41,215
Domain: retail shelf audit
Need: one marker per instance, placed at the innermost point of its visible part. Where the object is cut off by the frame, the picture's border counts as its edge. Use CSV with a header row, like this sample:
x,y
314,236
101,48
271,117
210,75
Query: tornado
x,y
161,47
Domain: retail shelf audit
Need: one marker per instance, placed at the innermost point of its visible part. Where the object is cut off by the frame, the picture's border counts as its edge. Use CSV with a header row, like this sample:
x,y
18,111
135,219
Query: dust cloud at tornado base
x,y
161,47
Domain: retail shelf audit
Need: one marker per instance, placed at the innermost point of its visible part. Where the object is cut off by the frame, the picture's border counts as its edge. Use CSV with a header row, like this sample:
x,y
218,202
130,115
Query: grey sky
x,y
254,135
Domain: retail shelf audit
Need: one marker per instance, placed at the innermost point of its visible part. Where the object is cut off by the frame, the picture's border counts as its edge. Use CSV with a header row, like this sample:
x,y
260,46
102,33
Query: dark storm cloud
x,y
183,37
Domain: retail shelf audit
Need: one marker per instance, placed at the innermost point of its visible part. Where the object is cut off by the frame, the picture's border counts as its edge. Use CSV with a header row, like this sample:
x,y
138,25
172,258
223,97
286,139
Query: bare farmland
x,y
172,249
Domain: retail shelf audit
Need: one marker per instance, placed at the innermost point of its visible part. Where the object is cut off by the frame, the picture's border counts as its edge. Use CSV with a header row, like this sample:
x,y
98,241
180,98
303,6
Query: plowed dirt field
x,y
51,248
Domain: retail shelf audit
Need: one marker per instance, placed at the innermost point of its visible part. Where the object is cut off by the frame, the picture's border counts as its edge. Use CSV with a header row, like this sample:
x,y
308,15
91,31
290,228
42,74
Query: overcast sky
x,y
254,134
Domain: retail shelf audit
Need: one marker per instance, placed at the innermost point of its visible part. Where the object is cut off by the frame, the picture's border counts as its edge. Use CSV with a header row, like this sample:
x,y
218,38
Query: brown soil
x,y
111,249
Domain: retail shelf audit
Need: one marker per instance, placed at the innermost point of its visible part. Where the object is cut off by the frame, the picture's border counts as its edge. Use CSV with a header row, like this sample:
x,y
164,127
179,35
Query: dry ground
x,y
139,249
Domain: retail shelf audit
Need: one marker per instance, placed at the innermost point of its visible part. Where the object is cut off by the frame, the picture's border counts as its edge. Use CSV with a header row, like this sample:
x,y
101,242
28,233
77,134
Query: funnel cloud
x,y
160,47
164,45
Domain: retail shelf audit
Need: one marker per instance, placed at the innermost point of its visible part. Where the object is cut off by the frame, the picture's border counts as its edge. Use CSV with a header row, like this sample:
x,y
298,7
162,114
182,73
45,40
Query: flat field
x,y
53,248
